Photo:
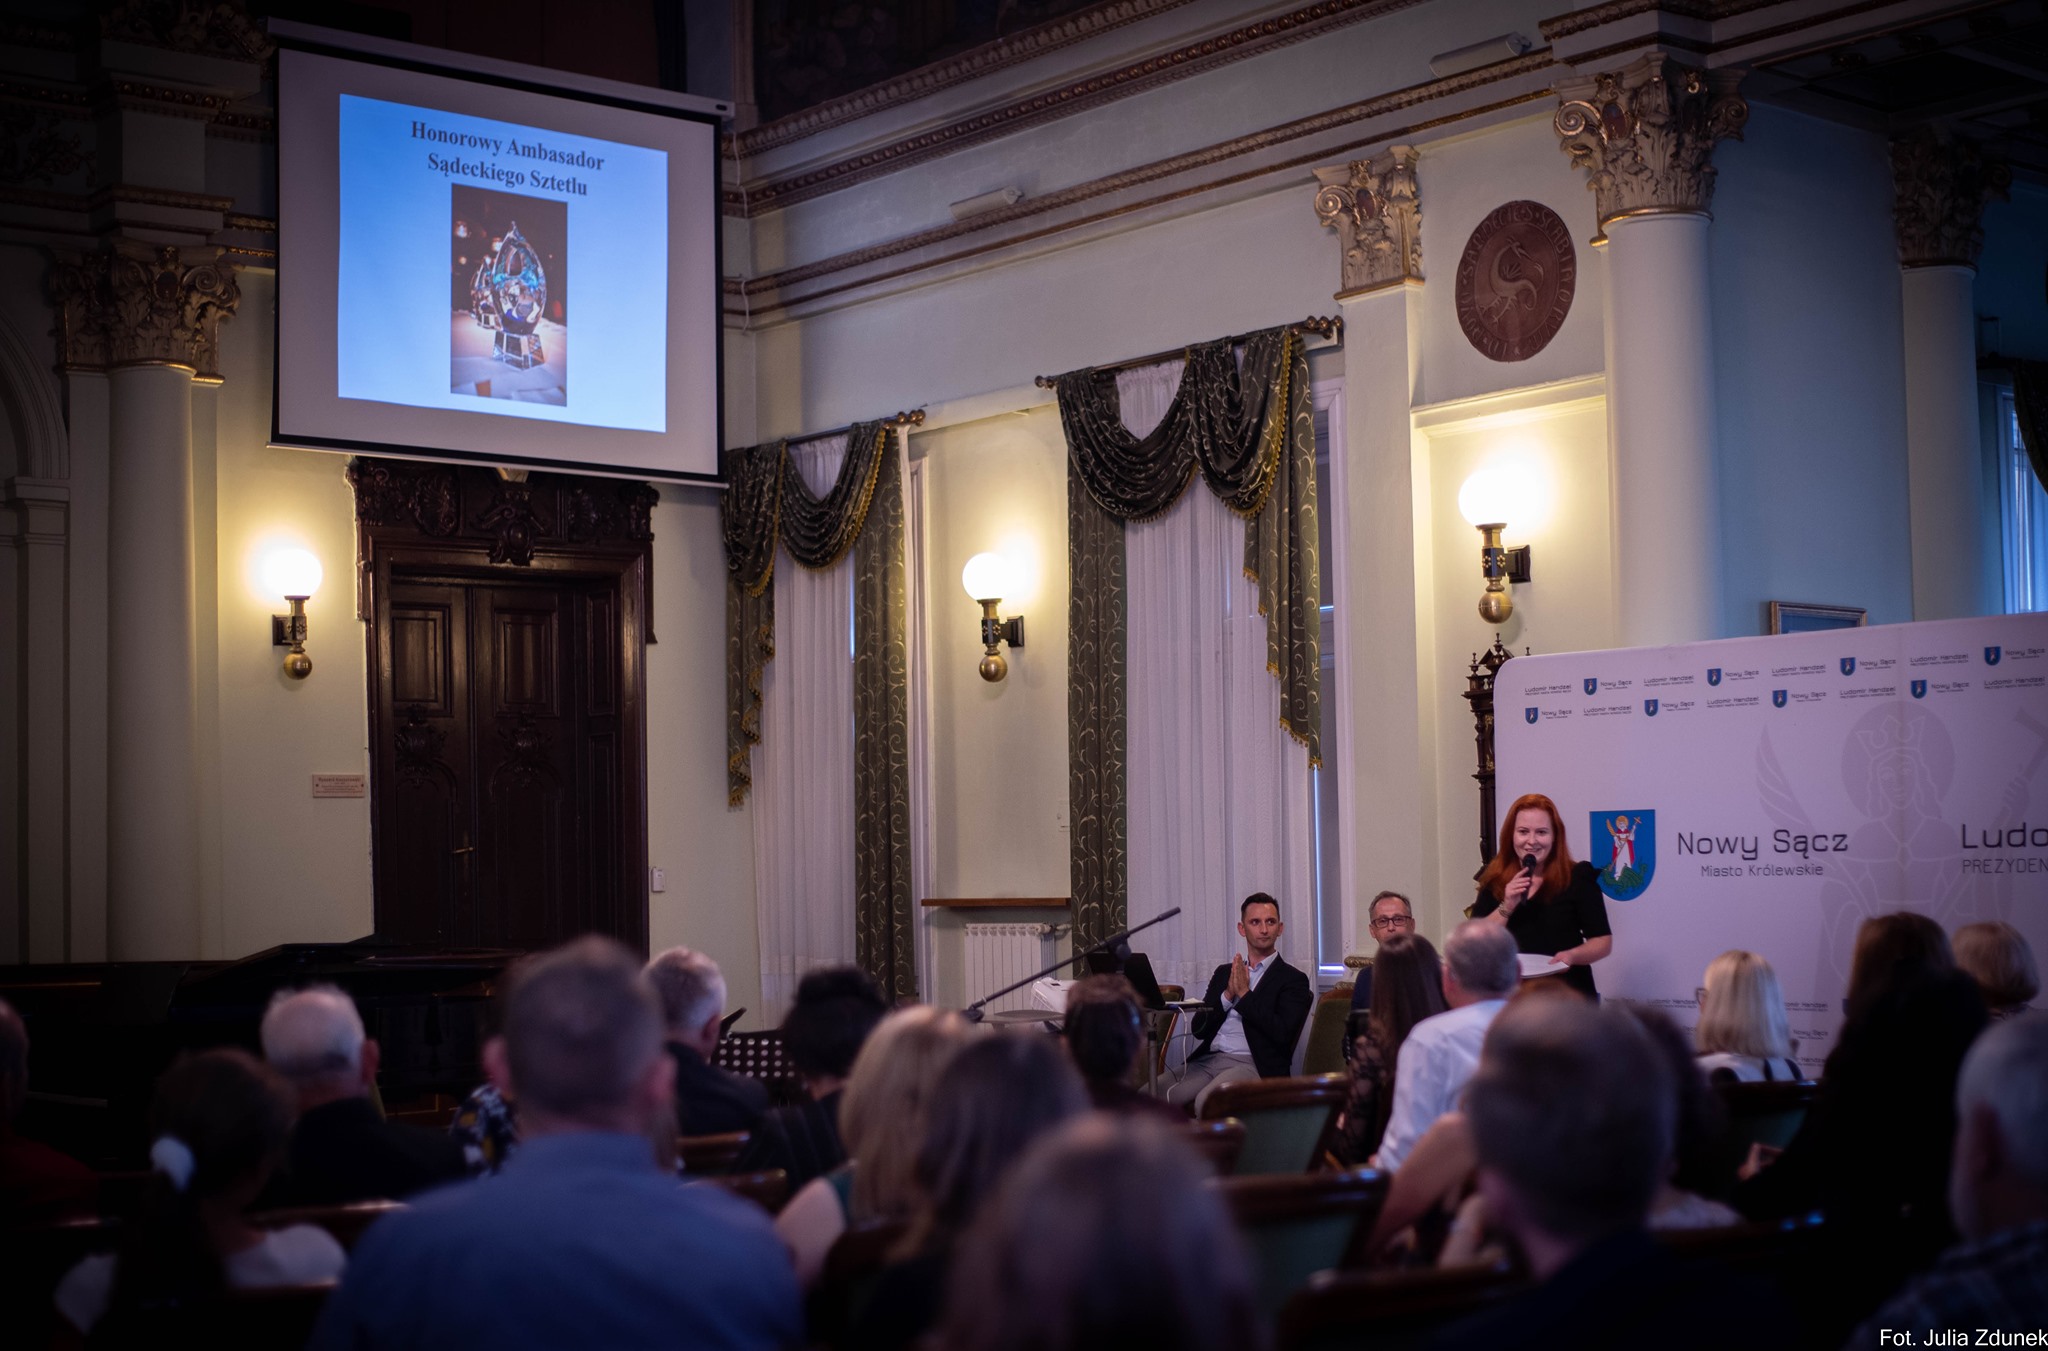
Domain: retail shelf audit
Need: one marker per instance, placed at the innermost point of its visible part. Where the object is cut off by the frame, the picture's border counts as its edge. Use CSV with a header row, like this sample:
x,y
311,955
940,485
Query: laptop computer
x,y
1137,969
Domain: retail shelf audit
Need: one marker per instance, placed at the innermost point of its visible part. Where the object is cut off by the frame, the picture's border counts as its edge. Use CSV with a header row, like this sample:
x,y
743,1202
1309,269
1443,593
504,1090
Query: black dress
x,y
1552,924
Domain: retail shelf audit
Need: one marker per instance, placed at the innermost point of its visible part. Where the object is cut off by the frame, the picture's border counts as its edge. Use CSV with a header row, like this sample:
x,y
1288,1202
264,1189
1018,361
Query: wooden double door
x,y
509,802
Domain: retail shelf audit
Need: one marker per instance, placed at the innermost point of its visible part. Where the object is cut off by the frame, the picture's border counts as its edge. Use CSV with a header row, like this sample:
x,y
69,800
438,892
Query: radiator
x,y
1002,954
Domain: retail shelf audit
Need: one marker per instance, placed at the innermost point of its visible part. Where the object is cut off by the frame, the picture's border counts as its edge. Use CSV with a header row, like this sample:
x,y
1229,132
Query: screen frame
x,y
522,79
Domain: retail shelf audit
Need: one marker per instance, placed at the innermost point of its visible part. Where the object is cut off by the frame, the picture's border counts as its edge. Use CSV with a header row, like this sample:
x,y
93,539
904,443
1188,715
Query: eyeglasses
x,y
1394,922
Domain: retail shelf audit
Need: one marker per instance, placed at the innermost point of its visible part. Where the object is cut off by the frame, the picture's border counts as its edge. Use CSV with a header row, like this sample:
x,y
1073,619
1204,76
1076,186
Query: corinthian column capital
x,y
122,307
1940,187
1375,205
1645,134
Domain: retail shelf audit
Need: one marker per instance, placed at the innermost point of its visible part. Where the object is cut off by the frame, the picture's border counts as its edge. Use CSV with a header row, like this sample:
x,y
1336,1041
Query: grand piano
x,y
102,1032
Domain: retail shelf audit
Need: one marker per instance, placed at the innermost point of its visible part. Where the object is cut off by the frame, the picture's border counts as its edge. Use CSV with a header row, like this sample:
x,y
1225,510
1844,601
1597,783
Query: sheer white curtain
x,y
1218,791
803,768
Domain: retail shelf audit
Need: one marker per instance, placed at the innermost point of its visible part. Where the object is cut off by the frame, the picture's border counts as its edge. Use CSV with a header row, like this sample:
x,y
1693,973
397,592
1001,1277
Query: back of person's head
x,y
996,1096
1743,1012
1103,1238
2003,1085
1701,1157
581,1028
314,1038
1573,1110
1893,951
1407,986
218,1123
13,1064
882,1117
835,1010
690,987
1103,1027
1998,958
1481,957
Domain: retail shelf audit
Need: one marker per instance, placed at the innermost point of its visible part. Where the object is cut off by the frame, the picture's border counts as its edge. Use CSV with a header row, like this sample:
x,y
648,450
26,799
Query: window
x,y
2023,512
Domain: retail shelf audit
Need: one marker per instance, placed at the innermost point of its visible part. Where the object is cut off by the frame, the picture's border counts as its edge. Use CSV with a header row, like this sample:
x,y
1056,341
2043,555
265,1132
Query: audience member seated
x,y
1389,914
1480,971
580,1240
882,1120
1997,957
486,1126
998,1096
835,1009
709,1100
1743,1033
1408,989
1998,1185
1105,1033
341,1148
1702,1168
1572,1112
1253,1013
219,1121
1103,1238
1873,1153
36,1182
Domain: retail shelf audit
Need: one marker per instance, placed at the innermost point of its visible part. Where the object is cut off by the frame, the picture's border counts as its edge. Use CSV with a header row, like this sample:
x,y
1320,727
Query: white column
x,y
1942,451
153,843
1660,417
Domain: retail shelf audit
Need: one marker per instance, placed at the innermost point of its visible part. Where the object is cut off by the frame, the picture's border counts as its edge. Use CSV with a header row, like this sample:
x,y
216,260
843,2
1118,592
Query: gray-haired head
x,y
1483,959
581,1027
314,1037
691,990
2002,1088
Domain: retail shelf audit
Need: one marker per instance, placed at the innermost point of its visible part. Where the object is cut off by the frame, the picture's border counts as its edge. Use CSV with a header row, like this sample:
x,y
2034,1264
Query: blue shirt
x,y
579,1241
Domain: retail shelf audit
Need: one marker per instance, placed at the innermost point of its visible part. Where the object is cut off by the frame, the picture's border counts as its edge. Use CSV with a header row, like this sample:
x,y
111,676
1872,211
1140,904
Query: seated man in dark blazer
x,y
341,1148
1257,1005
709,1100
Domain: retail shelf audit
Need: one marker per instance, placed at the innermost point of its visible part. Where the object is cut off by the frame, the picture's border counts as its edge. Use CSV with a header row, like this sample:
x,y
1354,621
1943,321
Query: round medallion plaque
x,y
1516,280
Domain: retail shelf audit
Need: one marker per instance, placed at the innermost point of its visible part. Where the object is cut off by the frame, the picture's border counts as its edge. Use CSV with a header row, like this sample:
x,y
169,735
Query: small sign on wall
x,y
340,785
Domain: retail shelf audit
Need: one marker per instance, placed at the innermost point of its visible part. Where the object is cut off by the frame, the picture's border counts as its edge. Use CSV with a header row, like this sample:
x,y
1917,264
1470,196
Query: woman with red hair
x,y
1549,903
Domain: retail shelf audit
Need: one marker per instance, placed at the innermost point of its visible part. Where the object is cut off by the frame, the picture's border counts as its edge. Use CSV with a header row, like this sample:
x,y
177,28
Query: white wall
x,y
1809,372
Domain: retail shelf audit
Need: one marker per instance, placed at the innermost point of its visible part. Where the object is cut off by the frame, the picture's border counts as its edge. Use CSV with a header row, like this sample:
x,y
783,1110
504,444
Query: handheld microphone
x,y
1528,863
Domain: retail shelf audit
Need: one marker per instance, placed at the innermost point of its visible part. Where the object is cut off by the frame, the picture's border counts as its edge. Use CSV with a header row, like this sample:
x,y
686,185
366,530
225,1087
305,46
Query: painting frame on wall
x,y
1785,616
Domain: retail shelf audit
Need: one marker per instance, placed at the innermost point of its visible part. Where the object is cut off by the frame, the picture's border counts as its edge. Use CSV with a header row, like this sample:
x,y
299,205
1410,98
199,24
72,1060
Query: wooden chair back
x,y
1388,1310
1324,1053
1220,1142
847,1281
769,1189
711,1155
1766,1113
1287,1122
33,1258
1297,1224
347,1223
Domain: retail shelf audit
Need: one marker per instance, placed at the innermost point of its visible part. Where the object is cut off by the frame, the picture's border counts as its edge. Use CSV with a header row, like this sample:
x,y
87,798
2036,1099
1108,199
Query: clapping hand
x,y
1240,979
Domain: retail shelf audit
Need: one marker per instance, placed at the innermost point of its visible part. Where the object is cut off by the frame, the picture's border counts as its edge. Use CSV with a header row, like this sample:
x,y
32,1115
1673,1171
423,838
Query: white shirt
x,y
1436,1062
1229,1038
1750,1070
299,1255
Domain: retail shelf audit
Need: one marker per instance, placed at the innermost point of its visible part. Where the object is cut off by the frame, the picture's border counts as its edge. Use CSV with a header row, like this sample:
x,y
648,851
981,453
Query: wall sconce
x,y
986,578
1485,501
294,574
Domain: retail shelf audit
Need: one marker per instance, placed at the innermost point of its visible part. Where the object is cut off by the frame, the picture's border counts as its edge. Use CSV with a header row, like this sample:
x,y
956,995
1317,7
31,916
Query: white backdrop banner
x,y
1771,793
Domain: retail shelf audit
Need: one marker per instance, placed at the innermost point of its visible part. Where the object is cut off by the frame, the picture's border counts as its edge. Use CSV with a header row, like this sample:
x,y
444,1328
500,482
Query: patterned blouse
x,y
487,1126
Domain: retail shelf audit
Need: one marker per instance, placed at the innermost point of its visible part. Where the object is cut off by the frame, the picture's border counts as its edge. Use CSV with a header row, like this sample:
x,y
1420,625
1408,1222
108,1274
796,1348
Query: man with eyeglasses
x,y
1389,914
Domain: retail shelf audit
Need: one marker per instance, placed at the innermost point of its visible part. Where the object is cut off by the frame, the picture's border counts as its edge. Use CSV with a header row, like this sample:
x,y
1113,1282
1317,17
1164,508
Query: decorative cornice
x,y
1940,187
1046,105
163,100
977,64
200,27
117,307
1597,16
1646,133
1375,206
770,285
35,148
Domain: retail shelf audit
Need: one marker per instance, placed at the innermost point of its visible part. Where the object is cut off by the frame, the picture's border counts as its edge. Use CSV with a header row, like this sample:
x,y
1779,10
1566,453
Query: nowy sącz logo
x,y
1650,707
1848,666
1991,656
1919,689
1777,698
1592,684
1713,675
1625,852
1529,714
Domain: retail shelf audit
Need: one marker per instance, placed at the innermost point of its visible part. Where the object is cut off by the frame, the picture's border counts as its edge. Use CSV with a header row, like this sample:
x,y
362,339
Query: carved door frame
x,y
479,525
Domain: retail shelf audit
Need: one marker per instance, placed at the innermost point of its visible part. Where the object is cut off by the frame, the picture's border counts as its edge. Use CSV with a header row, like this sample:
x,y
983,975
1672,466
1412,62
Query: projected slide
x,y
512,213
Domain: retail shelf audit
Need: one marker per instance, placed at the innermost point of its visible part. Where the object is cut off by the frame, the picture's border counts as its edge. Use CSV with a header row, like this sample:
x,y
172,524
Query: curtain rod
x,y
913,418
1329,326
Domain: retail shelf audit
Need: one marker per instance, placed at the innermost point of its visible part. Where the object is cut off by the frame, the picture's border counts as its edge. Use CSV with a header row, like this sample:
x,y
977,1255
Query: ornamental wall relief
x,y
1516,280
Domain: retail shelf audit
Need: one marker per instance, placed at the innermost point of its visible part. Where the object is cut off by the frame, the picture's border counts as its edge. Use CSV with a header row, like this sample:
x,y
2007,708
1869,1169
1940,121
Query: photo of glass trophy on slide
x,y
508,336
